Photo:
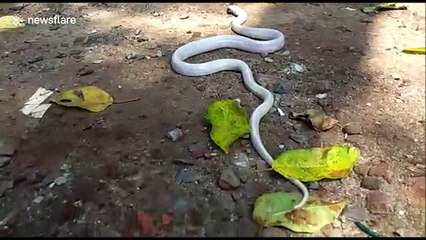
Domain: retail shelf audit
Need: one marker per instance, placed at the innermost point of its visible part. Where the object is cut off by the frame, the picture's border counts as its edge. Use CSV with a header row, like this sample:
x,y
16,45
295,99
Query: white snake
x,y
269,41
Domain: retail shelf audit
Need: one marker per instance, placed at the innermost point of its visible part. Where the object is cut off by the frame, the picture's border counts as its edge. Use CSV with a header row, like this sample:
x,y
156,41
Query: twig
x,y
128,100
264,170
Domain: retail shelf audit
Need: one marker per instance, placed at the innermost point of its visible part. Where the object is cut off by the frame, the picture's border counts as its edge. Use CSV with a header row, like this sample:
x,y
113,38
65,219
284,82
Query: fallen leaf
x,y
11,22
319,120
314,164
414,50
383,7
229,122
391,6
277,209
90,98
145,223
370,9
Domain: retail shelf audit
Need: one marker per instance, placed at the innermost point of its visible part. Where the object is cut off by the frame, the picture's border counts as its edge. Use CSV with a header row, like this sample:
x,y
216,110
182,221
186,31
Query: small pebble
x,y
352,128
296,68
175,134
261,165
377,202
314,185
98,61
396,76
38,199
281,88
131,56
197,150
269,60
159,53
84,71
336,224
351,49
356,213
60,180
371,183
285,53
321,95
228,179
243,174
368,104
143,39
65,167
35,59
241,160
184,17
137,32
362,169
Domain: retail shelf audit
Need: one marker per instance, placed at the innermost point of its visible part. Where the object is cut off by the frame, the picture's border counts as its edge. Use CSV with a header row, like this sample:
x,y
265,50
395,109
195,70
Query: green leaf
x,y
371,9
383,7
307,165
277,209
229,122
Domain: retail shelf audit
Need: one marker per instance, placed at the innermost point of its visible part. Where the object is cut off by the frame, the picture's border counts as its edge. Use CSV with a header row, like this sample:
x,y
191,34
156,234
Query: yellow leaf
x,y
277,209
414,50
308,165
319,120
11,22
391,6
90,98
229,122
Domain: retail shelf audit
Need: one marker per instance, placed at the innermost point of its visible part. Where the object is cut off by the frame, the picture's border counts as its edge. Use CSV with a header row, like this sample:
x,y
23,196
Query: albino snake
x,y
269,41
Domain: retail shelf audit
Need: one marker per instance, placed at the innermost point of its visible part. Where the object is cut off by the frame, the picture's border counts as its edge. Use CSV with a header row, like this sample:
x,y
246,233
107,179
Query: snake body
x,y
256,40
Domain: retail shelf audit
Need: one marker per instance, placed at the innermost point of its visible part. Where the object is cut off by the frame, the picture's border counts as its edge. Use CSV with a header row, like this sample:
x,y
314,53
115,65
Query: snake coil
x,y
256,40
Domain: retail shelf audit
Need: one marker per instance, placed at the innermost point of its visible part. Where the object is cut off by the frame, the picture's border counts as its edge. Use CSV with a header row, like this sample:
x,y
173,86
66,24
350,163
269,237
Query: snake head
x,y
233,9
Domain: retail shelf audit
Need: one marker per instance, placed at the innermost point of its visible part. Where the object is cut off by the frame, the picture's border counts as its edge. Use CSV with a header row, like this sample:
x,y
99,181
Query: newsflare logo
x,y
59,20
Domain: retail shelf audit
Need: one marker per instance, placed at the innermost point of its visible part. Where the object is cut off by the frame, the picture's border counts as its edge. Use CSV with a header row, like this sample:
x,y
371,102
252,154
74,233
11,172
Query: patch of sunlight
x,y
387,36
171,23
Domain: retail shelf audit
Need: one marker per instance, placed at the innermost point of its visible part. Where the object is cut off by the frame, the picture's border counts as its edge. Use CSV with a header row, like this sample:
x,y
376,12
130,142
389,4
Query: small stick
x,y
128,100
265,170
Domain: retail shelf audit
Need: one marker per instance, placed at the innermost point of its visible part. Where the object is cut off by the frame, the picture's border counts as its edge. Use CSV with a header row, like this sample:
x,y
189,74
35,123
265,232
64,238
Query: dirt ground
x,y
116,172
